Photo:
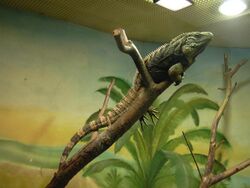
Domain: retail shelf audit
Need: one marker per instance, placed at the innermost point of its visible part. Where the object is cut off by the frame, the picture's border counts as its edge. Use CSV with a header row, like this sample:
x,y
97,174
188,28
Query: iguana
x,y
168,62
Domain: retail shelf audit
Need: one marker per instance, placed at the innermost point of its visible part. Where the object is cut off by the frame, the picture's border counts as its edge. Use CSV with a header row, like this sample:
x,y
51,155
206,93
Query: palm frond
x,y
200,103
187,89
182,170
115,95
103,164
125,138
169,123
202,159
157,163
122,84
202,134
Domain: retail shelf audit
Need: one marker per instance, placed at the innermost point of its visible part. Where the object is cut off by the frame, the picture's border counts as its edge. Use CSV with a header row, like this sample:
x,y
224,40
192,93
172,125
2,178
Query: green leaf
x,y
125,138
199,104
147,134
202,159
167,124
115,95
203,103
157,163
101,165
195,116
165,107
183,171
205,134
187,89
196,135
135,155
130,146
141,146
120,83
113,179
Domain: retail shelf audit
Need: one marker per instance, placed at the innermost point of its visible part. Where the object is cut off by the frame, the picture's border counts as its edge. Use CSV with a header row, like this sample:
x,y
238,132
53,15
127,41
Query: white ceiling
x,y
146,21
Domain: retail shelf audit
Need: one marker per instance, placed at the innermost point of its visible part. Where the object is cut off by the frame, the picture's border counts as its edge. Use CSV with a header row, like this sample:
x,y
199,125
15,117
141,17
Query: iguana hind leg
x,y
152,112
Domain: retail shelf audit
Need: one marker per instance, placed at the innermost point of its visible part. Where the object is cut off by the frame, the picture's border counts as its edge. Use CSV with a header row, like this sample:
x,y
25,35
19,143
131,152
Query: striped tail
x,y
73,141
102,121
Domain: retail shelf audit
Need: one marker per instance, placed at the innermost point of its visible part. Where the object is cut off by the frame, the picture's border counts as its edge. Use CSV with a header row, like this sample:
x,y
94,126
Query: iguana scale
x,y
168,62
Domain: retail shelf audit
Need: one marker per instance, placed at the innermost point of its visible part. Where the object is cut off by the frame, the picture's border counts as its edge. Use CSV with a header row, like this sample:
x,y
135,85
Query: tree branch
x,y
104,105
106,99
237,66
208,177
145,98
217,178
128,47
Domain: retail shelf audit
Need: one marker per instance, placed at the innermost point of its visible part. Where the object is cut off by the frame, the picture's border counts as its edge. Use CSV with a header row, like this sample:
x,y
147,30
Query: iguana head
x,y
182,51
191,44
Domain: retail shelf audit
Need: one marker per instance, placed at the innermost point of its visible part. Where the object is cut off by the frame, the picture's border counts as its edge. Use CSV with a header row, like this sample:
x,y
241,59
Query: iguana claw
x,y
152,112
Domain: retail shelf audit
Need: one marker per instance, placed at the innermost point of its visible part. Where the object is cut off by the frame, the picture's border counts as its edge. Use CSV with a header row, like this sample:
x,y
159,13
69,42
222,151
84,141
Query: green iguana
x,y
168,62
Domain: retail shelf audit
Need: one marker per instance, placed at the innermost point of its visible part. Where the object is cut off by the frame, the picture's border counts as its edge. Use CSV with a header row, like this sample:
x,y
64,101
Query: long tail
x,y
88,128
103,121
73,141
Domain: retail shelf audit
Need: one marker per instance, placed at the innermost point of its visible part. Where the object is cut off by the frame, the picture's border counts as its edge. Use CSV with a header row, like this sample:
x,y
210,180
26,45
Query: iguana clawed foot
x,y
152,112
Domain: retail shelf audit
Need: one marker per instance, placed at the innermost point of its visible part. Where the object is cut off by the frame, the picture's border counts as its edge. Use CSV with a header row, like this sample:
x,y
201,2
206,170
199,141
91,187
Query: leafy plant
x,y
154,161
112,179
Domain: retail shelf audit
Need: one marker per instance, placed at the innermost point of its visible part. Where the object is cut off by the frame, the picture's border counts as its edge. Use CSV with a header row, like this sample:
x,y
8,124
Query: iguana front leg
x,y
176,73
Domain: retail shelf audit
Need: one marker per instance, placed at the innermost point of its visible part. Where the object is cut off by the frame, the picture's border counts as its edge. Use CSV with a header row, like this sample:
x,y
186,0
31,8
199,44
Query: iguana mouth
x,y
203,41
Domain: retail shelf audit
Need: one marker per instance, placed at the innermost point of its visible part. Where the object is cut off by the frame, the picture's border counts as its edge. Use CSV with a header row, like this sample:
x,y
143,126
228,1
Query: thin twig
x,y
226,68
106,99
237,66
190,150
104,105
229,172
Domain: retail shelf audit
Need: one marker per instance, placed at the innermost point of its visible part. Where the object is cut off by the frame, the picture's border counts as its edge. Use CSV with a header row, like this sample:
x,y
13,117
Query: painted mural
x,y
49,81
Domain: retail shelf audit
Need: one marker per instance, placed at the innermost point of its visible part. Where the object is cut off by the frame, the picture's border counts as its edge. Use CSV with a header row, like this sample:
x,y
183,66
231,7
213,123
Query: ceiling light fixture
x,y
174,5
232,7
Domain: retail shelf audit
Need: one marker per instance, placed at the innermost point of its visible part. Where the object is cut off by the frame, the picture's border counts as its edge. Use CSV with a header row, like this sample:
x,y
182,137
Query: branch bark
x,y
208,178
106,99
230,172
128,47
146,96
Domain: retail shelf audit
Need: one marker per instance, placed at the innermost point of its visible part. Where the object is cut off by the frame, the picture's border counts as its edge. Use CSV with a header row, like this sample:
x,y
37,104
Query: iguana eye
x,y
186,49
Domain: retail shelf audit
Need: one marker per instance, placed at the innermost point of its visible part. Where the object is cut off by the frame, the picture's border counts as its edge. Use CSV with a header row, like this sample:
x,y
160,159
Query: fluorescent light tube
x,y
174,5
